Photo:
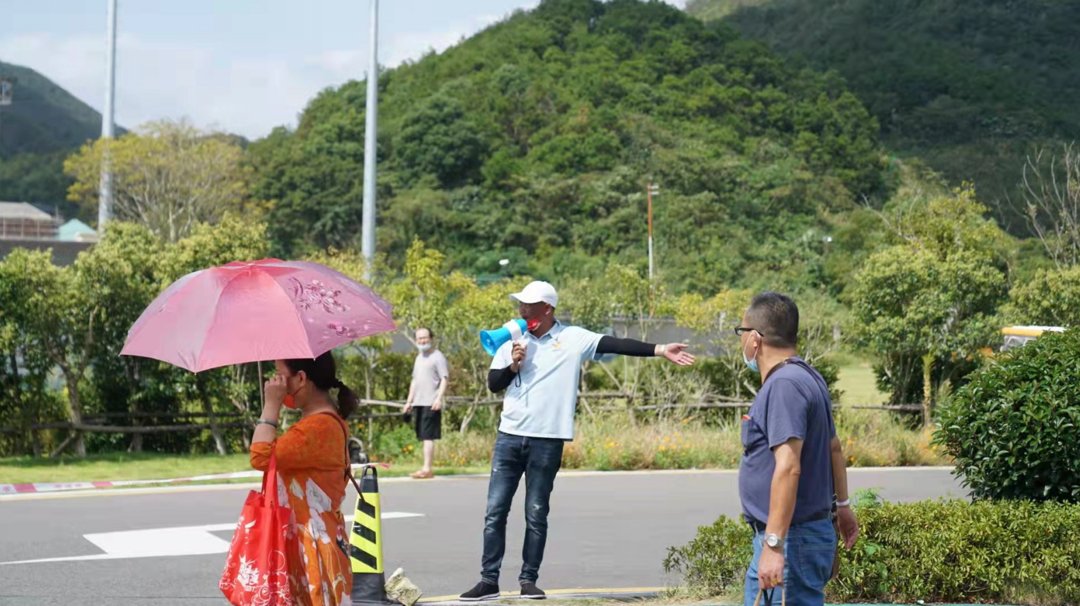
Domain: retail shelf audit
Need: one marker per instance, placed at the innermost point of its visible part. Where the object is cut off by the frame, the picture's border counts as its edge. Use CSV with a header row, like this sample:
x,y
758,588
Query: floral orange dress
x,y
311,464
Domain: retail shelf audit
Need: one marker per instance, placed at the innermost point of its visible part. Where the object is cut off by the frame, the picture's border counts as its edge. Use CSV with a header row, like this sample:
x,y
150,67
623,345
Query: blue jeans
x,y
808,558
539,459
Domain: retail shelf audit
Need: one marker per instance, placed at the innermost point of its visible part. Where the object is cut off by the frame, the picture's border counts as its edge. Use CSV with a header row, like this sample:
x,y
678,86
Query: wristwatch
x,y
774,540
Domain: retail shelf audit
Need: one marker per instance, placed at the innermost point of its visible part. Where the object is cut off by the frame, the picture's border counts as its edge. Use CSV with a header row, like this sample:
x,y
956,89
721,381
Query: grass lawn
x,y
148,466
602,443
858,384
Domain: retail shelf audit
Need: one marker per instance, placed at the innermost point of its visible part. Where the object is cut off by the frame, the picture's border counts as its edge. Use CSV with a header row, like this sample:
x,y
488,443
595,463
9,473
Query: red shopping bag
x,y
257,570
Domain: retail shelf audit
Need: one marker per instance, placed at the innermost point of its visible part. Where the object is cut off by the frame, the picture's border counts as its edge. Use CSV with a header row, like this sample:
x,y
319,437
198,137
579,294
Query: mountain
x,y
534,140
43,117
970,86
38,130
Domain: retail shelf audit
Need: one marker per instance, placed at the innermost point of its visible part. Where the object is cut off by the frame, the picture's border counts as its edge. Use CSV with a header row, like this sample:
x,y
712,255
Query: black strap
x,y
348,462
780,365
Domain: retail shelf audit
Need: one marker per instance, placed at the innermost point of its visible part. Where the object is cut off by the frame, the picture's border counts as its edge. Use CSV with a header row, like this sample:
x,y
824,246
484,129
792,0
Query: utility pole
x,y
650,191
367,229
105,194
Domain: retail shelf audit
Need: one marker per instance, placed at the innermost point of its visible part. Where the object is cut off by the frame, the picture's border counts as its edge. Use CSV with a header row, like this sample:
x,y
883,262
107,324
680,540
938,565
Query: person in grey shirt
x,y
431,376
792,464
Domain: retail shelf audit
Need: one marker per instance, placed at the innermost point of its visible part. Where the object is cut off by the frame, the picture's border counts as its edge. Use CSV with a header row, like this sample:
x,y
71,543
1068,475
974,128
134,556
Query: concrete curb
x,y
615,594
38,487
8,490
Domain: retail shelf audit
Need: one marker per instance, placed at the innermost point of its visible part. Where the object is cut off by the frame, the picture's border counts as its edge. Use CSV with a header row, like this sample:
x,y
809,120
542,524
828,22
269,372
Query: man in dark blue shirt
x,y
792,463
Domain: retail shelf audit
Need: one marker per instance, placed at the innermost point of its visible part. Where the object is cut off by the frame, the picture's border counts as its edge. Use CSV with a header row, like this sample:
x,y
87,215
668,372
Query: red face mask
x,y
290,400
532,324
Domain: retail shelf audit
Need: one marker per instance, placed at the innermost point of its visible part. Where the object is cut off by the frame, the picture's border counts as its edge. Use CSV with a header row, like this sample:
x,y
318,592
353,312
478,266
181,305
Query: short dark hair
x,y
776,317
430,333
322,371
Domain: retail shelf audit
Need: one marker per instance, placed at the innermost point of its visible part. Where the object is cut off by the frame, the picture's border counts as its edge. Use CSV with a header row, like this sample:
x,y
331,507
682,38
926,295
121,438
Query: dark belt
x,y
760,526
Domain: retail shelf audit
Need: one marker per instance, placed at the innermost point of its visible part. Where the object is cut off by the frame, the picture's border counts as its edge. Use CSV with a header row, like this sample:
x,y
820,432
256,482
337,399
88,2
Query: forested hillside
x,y
534,140
38,130
972,87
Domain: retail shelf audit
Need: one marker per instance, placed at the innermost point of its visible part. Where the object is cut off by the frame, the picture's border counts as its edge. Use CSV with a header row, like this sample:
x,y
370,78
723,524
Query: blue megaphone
x,y
492,340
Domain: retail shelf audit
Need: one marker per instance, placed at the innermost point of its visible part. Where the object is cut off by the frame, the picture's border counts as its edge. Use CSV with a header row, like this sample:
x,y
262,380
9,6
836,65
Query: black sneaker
x,y
482,591
530,591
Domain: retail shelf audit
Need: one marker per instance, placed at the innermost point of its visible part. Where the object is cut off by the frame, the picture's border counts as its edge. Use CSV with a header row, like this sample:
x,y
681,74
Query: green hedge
x,y
1017,552
1013,428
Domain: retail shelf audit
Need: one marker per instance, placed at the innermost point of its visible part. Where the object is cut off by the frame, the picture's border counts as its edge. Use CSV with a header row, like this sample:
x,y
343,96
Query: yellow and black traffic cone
x,y
365,543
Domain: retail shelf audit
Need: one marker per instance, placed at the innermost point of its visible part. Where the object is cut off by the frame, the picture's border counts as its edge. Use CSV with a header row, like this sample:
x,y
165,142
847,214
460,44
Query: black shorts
x,y
428,423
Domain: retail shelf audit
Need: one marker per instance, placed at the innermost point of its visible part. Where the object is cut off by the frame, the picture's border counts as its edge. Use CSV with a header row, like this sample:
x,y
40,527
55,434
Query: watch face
x,y
772,540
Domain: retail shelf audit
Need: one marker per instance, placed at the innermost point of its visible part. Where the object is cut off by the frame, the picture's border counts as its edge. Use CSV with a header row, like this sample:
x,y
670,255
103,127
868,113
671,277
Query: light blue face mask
x,y
751,363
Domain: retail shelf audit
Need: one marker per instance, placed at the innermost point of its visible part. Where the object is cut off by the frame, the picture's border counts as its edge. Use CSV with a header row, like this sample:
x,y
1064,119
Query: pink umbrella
x,y
253,311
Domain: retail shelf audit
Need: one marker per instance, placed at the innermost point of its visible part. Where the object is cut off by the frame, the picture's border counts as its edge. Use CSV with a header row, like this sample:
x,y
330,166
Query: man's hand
x,y
770,568
676,352
437,404
517,356
848,525
408,408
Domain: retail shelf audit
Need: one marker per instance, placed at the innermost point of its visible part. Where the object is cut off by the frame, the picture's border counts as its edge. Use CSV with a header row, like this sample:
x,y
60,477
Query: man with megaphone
x,y
540,368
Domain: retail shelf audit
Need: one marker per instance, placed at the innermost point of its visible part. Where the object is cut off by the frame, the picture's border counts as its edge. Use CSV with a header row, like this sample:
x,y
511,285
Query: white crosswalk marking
x,y
167,542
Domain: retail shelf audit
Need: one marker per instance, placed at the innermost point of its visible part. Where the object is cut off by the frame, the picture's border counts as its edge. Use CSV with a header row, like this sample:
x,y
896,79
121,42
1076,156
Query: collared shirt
x,y
793,403
541,399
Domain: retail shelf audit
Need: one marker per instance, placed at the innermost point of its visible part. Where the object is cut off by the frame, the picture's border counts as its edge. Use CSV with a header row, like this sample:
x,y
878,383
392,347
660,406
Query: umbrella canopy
x,y
252,311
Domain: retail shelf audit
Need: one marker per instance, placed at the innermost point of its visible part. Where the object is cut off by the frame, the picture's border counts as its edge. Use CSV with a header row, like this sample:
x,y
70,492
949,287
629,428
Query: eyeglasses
x,y
739,330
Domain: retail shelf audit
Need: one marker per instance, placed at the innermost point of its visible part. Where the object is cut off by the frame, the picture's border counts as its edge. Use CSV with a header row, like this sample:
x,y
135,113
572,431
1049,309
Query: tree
x,y
916,310
532,141
59,319
24,369
1051,298
712,320
1051,187
438,139
925,304
36,178
456,308
169,177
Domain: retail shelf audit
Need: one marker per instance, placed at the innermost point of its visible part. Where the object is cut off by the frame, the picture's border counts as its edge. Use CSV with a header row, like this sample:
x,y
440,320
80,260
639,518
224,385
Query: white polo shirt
x,y
541,399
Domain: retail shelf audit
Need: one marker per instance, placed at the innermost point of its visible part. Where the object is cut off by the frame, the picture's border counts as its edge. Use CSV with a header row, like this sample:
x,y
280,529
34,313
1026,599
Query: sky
x,y
242,66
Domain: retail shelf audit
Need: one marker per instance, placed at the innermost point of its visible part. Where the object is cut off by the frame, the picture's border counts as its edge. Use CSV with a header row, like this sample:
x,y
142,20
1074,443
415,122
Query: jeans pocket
x,y
810,557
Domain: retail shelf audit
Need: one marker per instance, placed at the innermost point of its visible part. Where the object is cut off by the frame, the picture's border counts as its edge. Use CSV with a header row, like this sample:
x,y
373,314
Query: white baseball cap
x,y
536,292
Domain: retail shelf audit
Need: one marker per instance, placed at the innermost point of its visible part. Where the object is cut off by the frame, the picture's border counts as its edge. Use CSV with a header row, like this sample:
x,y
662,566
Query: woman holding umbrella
x,y
312,464
293,312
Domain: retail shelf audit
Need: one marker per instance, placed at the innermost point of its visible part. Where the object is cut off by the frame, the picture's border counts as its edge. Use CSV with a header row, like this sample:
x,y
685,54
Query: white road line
x,y
167,542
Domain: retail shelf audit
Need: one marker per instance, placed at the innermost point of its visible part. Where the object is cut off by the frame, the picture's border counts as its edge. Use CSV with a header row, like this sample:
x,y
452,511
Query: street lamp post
x,y
651,190
367,230
105,194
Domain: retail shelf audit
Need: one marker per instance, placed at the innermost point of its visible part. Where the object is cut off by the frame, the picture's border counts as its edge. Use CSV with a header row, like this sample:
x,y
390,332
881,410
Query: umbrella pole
x,y
259,385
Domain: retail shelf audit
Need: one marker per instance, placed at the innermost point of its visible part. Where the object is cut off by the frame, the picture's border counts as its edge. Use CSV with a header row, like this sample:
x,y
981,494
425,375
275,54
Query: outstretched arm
x,y
674,352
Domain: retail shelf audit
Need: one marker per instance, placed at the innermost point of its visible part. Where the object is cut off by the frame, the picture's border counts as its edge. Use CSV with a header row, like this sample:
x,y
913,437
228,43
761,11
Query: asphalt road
x,y
607,530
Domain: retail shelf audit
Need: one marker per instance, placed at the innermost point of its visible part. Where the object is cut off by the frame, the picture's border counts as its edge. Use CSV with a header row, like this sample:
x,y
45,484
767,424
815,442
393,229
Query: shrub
x,y
713,562
989,551
1012,430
